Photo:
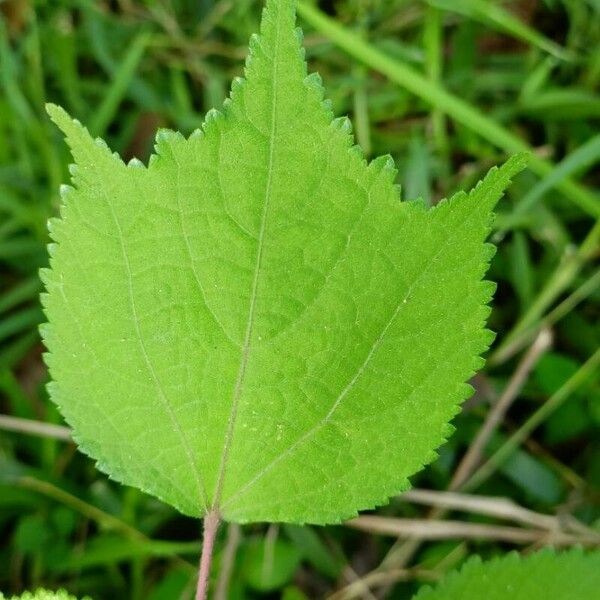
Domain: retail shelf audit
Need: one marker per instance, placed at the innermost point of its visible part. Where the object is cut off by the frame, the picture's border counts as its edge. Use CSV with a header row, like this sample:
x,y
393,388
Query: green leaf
x,y
254,322
293,593
269,564
43,594
540,576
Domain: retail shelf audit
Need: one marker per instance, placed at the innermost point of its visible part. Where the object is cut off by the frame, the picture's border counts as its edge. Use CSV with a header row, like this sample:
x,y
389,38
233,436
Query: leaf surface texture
x,y
545,575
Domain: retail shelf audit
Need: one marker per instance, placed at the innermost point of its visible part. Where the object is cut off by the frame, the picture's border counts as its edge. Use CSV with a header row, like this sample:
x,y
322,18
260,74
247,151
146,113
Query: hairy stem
x,y
211,526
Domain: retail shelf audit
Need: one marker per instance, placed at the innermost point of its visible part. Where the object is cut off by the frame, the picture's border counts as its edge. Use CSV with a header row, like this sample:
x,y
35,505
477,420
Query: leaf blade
x,y
571,574
226,324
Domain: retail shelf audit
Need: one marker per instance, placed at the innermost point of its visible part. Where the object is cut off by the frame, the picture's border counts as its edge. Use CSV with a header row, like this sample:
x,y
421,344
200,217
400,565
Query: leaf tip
x,y
83,145
62,119
518,162
55,112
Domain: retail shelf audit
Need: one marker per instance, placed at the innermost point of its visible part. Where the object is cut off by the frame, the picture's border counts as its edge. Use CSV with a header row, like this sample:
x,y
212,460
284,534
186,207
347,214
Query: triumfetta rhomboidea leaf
x,y
254,322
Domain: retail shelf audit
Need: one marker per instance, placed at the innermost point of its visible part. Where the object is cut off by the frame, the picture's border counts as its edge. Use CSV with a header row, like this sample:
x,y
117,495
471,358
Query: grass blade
x,y
496,16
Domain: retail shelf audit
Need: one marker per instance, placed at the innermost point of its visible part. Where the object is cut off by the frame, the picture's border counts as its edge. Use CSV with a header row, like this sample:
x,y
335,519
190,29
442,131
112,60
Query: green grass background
x,y
449,88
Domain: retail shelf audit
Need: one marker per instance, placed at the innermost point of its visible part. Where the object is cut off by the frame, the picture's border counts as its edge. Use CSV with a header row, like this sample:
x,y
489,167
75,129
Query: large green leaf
x,y
544,575
254,322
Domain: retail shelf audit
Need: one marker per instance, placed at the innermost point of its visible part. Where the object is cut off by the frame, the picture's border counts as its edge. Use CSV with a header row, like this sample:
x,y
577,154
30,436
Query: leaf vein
x,y
245,354
150,367
357,375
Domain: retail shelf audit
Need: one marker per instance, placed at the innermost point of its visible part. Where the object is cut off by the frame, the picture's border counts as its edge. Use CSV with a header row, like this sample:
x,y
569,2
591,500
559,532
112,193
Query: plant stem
x,y
211,526
470,460
32,427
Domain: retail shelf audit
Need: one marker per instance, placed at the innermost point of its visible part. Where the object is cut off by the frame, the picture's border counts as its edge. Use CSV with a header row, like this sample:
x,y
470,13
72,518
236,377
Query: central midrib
x,y
245,353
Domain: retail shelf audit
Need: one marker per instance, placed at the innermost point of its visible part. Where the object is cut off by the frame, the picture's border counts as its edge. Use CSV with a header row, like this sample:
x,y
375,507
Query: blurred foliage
x,y
127,67
42,594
